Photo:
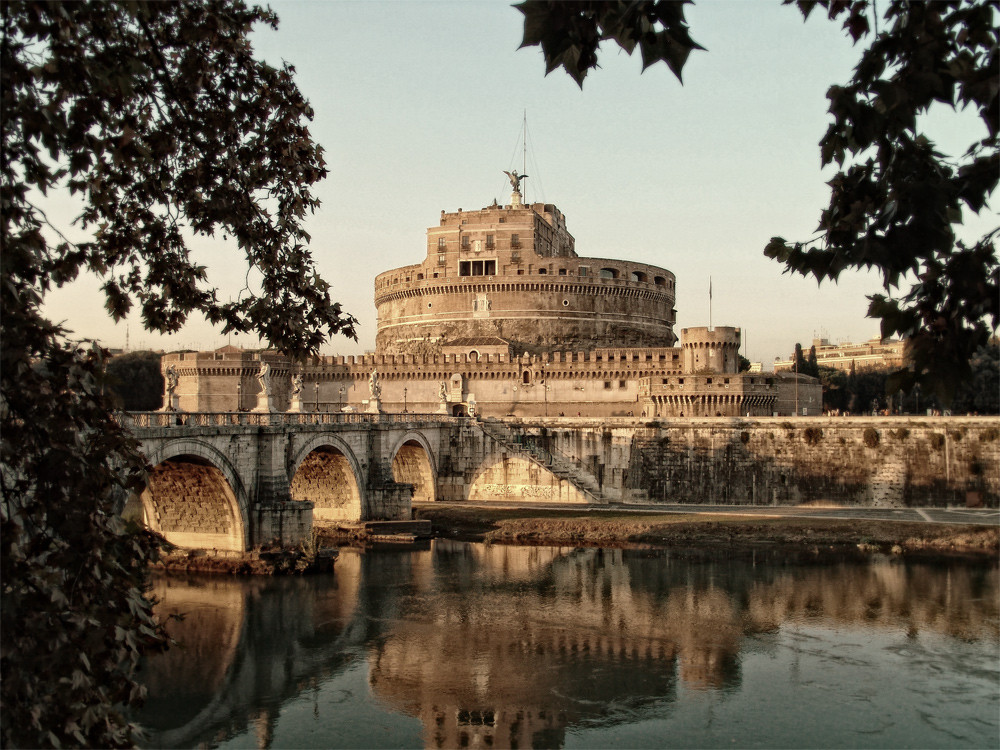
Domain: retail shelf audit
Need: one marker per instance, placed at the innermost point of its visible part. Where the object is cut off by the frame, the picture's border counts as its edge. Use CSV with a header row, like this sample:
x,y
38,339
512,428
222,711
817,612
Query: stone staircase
x,y
561,466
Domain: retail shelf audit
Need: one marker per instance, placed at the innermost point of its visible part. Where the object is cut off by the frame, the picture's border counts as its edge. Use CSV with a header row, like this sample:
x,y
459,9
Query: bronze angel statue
x,y
515,179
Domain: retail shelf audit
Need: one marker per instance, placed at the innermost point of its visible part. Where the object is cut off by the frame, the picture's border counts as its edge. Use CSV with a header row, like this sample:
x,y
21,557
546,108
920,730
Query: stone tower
x,y
711,349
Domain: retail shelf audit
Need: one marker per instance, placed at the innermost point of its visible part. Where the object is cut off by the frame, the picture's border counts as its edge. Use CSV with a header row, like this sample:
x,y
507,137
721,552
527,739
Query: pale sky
x,y
419,106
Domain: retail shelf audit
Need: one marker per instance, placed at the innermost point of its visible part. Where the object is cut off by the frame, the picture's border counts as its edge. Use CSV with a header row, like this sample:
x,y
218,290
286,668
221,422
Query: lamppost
x,y
316,391
239,396
404,401
340,403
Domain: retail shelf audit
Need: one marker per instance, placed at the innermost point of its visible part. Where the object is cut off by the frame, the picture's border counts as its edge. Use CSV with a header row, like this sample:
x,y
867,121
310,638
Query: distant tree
x,y
744,364
868,390
836,395
981,393
805,366
895,203
135,381
160,121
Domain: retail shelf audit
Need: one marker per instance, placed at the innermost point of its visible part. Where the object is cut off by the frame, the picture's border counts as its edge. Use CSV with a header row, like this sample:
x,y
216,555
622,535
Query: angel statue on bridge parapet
x,y
170,381
264,378
297,384
374,386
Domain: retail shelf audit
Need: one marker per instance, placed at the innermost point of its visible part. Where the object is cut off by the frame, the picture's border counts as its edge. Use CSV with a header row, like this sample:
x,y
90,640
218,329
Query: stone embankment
x,y
867,461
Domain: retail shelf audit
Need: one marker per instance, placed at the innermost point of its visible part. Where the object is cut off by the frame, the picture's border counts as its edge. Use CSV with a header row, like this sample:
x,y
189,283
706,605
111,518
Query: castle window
x,y
526,377
562,271
543,271
565,303
515,241
477,267
607,385
659,281
465,242
441,260
442,243
489,241
638,276
420,277
621,383
583,271
609,273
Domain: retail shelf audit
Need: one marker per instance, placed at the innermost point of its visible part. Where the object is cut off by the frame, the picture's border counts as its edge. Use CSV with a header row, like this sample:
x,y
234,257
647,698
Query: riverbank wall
x,y
868,461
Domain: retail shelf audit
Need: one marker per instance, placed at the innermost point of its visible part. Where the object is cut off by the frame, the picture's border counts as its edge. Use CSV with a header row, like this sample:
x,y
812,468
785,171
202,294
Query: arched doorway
x,y
412,465
459,410
326,478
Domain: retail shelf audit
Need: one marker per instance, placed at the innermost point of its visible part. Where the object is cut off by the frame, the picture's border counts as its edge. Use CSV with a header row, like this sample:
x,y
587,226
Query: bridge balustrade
x,y
270,419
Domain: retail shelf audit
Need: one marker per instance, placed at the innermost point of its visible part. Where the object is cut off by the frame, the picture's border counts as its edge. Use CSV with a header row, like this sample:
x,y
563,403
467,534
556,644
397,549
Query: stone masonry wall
x,y
192,506
880,462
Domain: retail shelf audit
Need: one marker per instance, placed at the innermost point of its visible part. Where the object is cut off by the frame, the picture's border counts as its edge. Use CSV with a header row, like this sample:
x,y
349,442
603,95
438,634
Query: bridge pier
x,y
281,524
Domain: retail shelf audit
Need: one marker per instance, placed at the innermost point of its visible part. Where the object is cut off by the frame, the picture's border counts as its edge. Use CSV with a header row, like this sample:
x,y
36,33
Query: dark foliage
x,y
135,382
160,120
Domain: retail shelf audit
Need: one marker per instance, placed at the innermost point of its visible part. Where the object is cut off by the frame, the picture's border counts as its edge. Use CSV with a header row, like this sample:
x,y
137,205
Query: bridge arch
x,y
195,497
413,462
326,472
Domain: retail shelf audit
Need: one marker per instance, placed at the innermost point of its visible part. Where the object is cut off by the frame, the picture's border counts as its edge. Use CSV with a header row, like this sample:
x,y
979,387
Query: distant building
x,y
503,318
874,354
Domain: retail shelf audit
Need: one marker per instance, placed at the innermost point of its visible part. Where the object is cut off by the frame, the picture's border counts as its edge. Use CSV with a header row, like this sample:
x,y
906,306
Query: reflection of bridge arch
x,y
326,473
234,630
413,463
195,497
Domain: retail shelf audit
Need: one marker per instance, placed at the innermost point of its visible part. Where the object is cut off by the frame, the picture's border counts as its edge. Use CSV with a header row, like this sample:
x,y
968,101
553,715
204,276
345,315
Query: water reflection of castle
x,y
504,646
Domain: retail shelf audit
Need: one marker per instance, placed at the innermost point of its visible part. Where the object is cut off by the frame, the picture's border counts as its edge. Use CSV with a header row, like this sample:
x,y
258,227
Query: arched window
x,y
609,273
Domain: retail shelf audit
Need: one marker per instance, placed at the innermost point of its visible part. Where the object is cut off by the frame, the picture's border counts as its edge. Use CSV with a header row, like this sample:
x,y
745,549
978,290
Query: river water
x,y
465,645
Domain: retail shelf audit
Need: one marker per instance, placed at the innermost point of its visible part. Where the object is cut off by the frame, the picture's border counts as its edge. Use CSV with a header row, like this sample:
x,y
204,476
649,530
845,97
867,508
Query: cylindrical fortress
x,y
511,273
711,349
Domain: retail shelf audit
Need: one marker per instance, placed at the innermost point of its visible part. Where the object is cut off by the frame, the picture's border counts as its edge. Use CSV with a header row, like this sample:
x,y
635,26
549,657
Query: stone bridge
x,y
233,480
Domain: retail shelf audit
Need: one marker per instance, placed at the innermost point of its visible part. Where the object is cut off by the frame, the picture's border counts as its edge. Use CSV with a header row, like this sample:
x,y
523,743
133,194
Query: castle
x,y
503,318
